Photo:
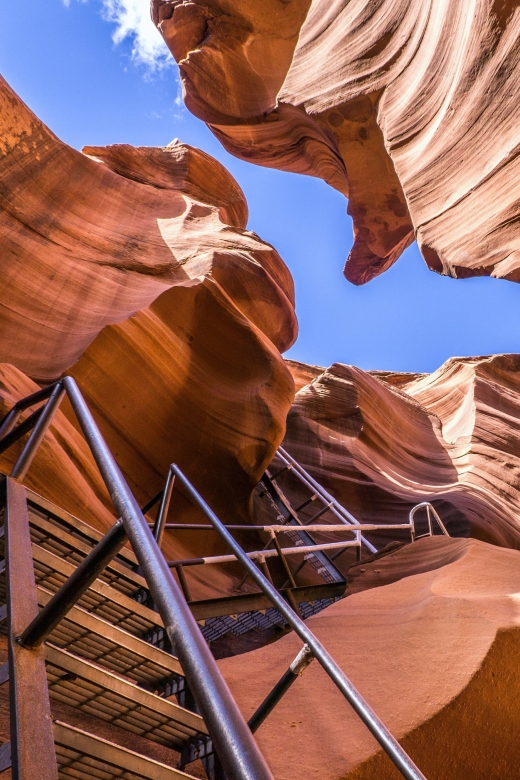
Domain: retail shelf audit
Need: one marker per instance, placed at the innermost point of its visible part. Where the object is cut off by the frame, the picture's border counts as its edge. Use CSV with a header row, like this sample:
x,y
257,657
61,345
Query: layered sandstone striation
x,y
409,109
132,269
382,443
433,653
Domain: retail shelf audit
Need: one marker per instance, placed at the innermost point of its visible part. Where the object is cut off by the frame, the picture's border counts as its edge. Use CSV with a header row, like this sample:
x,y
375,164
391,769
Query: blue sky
x,y
63,61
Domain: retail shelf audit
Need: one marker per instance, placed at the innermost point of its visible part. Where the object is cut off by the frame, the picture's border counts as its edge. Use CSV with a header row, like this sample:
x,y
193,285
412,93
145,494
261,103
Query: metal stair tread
x,y
77,526
55,539
85,756
93,638
51,571
107,696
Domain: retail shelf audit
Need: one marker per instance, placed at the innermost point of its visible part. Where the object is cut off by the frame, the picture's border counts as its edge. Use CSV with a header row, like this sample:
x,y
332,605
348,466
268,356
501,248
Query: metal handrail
x,y
335,507
259,555
298,549
387,741
235,745
429,509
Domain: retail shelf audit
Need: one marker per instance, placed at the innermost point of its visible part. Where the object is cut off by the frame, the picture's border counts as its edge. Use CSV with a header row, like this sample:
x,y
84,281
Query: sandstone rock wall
x,y
434,654
409,108
381,446
137,262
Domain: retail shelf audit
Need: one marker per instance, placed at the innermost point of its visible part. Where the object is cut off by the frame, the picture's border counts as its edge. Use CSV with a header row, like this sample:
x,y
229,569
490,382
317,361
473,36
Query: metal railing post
x,y
9,421
429,508
40,429
24,427
32,742
234,743
336,508
295,670
160,520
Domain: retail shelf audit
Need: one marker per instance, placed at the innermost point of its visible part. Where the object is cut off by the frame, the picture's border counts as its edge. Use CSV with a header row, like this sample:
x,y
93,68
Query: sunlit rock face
x,y
434,654
383,443
89,239
131,268
409,108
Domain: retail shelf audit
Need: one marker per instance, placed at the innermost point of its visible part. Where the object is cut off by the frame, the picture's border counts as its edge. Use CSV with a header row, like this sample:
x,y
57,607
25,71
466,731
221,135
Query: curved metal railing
x,y
430,510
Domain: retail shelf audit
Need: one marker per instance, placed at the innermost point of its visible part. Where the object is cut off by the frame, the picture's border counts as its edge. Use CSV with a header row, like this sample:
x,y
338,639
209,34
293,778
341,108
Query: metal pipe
x,y
284,562
153,501
290,528
387,741
287,515
260,560
246,575
428,506
20,430
439,521
259,554
12,417
35,398
40,429
74,587
312,484
160,520
234,743
319,514
295,670
9,421
183,583
337,509
306,503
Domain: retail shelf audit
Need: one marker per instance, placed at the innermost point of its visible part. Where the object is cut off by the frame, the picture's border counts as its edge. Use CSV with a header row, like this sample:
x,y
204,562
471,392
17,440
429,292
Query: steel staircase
x,y
97,658
84,617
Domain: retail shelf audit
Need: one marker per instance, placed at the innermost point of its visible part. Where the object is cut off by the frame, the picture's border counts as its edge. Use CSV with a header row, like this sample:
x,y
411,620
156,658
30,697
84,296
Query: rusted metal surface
x,y
107,644
87,756
75,586
107,696
33,755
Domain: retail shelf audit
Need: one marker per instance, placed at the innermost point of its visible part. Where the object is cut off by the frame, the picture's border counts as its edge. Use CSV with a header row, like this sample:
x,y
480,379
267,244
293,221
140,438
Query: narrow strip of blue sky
x,y
63,62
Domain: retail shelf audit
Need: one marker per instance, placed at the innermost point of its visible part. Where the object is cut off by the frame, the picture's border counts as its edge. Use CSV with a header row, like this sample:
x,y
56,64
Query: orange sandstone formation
x,y
136,261
435,654
381,446
410,109
92,238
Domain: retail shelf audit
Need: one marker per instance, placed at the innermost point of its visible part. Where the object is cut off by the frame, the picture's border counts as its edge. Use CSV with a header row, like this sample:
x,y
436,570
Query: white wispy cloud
x,y
132,21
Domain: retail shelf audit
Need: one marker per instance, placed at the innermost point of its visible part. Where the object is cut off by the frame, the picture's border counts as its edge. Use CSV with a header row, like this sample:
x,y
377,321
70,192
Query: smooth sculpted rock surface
x,y
131,268
91,238
409,108
435,654
382,445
